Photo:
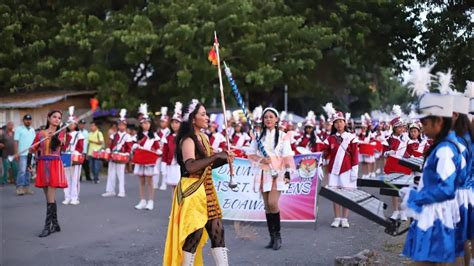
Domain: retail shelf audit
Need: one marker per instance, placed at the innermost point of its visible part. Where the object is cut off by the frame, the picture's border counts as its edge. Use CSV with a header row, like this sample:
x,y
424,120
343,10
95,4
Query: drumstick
x,y
93,102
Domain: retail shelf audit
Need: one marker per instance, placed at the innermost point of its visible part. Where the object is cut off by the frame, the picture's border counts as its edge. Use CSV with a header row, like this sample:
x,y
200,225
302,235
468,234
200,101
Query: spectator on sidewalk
x,y
24,136
7,147
96,142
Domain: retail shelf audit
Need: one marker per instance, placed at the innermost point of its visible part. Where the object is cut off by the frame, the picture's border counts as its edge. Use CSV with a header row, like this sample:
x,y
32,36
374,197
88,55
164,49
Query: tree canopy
x,y
348,52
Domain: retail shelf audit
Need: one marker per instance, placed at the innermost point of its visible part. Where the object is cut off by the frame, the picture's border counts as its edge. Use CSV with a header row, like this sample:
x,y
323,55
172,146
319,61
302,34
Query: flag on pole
x,y
212,57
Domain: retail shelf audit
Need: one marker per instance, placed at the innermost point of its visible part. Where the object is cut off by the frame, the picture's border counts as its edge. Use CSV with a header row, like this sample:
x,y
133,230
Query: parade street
x,y
109,231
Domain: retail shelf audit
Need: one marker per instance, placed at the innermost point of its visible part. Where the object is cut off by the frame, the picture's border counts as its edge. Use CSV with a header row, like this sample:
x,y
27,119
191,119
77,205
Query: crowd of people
x,y
185,148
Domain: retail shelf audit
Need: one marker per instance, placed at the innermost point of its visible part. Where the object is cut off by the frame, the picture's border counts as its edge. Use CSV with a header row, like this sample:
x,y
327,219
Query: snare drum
x,y
96,154
144,157
78,159
104,155
118,157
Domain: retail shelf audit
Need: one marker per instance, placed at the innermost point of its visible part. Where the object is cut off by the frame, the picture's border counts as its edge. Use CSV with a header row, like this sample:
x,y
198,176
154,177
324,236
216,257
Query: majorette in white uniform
x,y
121,143
74,144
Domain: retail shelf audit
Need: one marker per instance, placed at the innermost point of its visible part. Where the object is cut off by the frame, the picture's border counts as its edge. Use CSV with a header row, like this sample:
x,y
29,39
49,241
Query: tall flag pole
x,y
221,87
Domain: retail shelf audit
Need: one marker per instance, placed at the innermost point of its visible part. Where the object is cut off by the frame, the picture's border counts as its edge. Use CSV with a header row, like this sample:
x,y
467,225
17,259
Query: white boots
x,y
220,256
188,259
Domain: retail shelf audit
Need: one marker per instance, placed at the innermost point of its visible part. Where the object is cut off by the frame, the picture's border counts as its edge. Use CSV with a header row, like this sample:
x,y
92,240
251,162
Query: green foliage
x,y
347,52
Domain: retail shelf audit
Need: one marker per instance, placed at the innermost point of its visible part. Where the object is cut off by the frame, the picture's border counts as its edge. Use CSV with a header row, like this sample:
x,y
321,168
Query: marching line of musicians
x,y
441,205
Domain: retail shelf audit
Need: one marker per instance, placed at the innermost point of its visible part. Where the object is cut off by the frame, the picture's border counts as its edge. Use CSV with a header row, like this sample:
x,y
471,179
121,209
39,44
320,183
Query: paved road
x,y
109,231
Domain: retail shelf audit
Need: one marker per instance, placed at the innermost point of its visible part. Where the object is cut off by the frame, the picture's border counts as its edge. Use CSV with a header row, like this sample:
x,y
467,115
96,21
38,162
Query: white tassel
x,y
178,108
469,89
329,109
164,110
420,79
397,110
348,116
123,113
310,116
445,84
71,110
257,112
143,109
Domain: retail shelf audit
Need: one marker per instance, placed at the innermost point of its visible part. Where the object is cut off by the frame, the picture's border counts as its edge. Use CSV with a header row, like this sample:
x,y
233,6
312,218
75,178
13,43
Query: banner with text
x,y
245,202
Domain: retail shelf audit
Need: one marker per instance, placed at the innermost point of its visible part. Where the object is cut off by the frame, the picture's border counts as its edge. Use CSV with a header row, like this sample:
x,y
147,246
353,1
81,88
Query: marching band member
x,y
173,173
195,206
74,144
366,137
216,139
162,132
257,121
470,180
49,168
341,147
240,138
395,145
120,143
278,147
310,139
431,237
415,145
147,140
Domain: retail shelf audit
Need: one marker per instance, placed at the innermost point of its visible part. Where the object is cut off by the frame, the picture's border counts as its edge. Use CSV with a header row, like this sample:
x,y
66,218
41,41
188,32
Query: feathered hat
x,y
71,118
164,114
290,119
338,116
330,111
178,112
310,120
213,120
430,104
236,117
460,101
122,114
143,112
191,107
257,115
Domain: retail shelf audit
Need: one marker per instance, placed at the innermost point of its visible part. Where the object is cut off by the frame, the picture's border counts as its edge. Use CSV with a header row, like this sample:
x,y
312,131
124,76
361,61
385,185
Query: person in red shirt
x,y
415,145
341,148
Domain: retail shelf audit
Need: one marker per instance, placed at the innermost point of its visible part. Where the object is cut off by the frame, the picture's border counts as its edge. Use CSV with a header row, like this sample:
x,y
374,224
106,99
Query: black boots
x,y
273,223
54,223
51,224
271,230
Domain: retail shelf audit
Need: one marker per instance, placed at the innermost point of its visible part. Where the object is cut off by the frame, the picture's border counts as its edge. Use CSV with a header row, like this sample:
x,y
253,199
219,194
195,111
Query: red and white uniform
x,y
323,135
343,154
74,144
304,142
366,139
395,146
149,144
240,140
121,143
173,171
162,134
217,141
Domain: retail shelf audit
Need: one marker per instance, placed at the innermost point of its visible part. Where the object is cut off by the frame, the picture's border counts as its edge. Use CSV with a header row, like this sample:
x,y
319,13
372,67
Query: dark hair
x,y
462,126
334,130
264,128
55,142
447,122
186,130
150,134
419,135
312,135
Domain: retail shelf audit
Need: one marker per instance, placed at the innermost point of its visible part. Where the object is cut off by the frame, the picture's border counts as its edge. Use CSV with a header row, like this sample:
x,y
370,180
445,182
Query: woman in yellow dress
x,y
195,205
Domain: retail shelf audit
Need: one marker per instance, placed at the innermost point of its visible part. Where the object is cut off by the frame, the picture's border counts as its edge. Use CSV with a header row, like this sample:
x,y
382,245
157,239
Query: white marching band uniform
x,y
74,142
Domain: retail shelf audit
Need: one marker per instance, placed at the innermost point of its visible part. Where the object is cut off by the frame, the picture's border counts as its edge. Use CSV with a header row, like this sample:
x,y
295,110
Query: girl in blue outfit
x,y
464,198
431,237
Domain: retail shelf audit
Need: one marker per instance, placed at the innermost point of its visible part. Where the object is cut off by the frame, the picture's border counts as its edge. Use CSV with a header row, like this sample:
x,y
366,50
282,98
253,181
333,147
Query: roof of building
x,y
38,99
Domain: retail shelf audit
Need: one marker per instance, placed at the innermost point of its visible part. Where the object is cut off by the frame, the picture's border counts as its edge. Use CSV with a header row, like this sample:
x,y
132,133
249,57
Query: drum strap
x,y
181,195
72,142
120,141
